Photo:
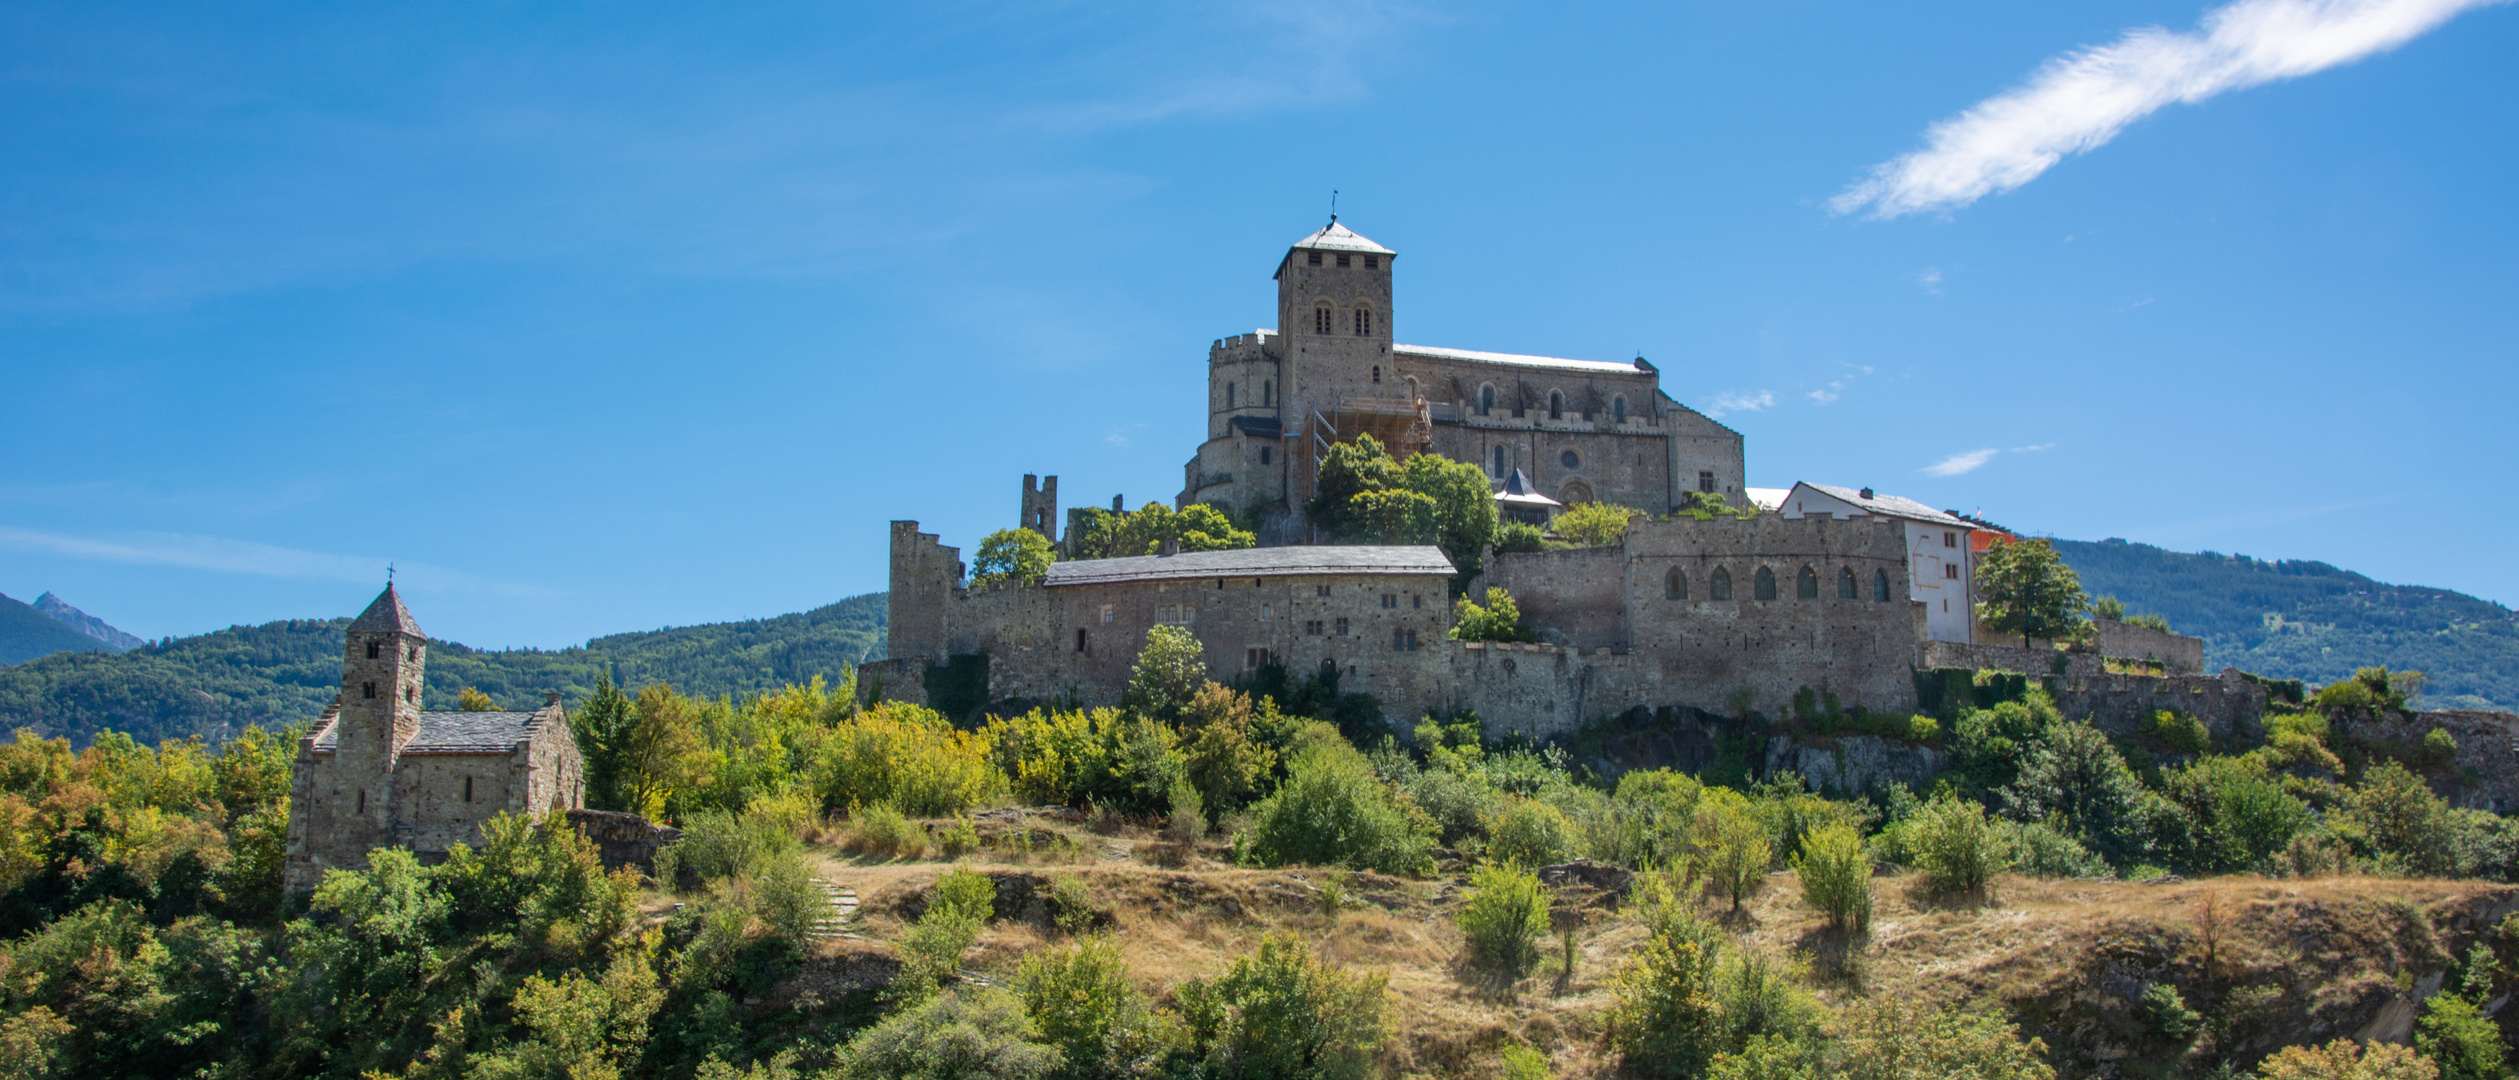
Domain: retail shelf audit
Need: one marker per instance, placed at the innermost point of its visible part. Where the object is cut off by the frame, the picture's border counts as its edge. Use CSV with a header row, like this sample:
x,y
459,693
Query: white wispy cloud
x,y
222,555
1836,387
1956,464
1732,401
2080,100
1931,279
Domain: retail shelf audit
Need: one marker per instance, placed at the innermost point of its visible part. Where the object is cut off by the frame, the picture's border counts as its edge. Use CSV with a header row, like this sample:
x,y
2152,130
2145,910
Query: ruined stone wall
x,y
924,575
2180,652
2231,705
2485,773
1578,594
2038,660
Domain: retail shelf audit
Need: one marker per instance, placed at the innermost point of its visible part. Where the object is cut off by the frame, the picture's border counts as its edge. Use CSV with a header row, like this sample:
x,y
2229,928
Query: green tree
x,y
1084,1004
661,752
471,700
1464,509
1836,876
1278,1014
2028,590
1012,556
1168,675
1594,524
1666,1021
602,725
2405,826
1349,470
1956,847
1103,534
1500,619
1504,920
1333,811
2075,774
974,1035
1363,494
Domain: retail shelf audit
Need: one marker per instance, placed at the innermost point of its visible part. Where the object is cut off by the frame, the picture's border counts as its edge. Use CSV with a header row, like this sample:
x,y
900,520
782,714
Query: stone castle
x,y
1832,593
378,771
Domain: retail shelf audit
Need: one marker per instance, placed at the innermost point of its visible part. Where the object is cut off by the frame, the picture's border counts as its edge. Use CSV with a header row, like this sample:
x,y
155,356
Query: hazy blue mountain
x,y
26,633
87,624
2308,620
284,672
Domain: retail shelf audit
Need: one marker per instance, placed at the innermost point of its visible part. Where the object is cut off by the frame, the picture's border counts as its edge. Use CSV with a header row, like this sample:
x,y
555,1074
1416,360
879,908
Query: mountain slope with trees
x,y
279,673
26,633
2298,619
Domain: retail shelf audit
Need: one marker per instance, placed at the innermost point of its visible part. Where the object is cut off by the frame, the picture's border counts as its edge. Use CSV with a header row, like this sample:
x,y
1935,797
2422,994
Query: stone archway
x,y
1574,491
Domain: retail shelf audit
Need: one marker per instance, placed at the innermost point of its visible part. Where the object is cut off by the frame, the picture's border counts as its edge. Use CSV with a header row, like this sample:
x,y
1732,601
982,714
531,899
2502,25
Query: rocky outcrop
x,y
1855,763
624,839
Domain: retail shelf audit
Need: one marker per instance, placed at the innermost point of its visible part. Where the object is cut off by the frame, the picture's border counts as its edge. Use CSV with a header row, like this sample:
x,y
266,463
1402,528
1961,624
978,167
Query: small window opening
x,y
1719,586
1372,262
1951,571
1764,585
1499,463
1806,584
1342,627
410,696
1556,405
1486,400
467,789
1080,639
1618,408
1570,459
1674,585
1377,374
1229,394
1705,479
362,800
1320,319
1264,455
1950,539
412,653
1880,586
1364,322
367,690
371,650
1846,588
1312,257
1342,261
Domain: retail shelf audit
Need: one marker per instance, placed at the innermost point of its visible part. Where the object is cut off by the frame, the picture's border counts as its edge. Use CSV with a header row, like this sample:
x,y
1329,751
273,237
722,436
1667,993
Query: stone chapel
x,y
379,771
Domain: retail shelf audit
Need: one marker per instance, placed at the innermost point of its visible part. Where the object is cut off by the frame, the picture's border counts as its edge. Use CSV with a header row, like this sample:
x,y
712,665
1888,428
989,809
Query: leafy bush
x,y
1082,1001
2300,741
1461,803
1278,1014
2177,732
2236,813
2341,1060
1333,811
1169,672
2371,688
1499,619
958,907
979,1035
1735,842
1768,1058
1836,876
1530,833
717,845
1759,1001
2040,851
2405,827
1504,920
906,756
1113,760
1523,1063
1956,847
1666,1021
1012,556
2439,749
882,830
2073,775
1518,537
1227,760
1894,1038
2460,1039
2167,1012
1071,904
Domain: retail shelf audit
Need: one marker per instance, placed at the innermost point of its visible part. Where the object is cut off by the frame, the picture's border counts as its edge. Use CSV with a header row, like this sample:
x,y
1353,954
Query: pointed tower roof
x,y
1337,237
387,613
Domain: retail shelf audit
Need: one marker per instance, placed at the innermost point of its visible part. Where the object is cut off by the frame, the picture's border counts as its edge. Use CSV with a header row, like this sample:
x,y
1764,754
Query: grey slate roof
x,y
1605,367
456,733
1254,562
387,613
1337,237
1888,505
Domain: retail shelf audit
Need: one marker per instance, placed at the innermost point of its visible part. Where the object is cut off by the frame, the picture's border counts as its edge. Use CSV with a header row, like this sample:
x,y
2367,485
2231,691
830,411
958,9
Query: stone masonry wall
x,y
1579,594
2180,652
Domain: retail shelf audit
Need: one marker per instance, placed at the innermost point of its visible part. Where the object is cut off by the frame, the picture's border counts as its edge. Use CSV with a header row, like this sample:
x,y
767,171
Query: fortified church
x,y
1841,592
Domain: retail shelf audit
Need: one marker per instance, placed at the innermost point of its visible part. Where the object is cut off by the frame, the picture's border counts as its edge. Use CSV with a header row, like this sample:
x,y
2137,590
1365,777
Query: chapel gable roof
x,y
458,732
387,614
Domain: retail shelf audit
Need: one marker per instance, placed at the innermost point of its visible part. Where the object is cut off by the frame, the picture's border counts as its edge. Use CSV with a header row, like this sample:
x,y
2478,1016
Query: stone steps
x,y
843,912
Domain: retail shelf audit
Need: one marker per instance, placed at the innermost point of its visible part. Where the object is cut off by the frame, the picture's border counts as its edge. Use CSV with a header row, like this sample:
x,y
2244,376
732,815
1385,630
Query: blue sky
x,y
596,318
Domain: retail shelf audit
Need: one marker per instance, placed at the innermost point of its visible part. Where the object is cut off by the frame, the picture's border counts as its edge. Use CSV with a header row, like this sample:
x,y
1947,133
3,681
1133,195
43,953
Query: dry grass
x,y
2289,956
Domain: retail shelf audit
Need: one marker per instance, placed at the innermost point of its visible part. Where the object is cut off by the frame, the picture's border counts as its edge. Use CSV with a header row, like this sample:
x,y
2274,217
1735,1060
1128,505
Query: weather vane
x,y
1333,206
389,573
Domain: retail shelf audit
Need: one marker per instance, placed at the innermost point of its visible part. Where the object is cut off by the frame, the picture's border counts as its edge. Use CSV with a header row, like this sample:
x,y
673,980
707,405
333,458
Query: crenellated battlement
x,y
1242,347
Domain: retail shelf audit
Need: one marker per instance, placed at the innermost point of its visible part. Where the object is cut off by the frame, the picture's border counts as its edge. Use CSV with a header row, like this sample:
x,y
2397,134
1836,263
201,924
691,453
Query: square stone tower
x,y
380,714
1334,322
1040,506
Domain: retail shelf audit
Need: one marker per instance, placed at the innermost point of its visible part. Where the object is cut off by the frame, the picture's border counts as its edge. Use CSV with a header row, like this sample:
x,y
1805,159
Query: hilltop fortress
x,y
1830,594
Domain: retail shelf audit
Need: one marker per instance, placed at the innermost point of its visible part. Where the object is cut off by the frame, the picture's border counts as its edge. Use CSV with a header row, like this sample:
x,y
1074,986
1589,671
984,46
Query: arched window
x,y
1268,392
1377,374
1412,388
1320,319
1764,585
1486,400
1618,408
1556,405
1806,586
1229,389
1675,585
1719,584
1880,585
1499,469
1364,321
1846,589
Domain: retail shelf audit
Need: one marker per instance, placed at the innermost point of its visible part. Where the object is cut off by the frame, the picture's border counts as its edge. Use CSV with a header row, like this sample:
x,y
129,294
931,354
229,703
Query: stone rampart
x,y
1579,594
2179,652
2483,775
2028,661
2231,705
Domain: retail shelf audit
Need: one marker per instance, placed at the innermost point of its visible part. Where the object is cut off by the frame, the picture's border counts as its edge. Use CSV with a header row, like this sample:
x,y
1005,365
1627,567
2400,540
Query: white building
x,y
1940,571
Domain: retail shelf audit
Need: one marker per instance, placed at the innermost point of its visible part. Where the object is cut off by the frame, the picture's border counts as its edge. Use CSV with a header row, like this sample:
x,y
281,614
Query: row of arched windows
x,y
1556,404
1806,585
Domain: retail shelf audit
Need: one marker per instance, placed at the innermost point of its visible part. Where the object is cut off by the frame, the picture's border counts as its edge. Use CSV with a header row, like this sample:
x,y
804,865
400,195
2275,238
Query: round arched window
x,y
1570,459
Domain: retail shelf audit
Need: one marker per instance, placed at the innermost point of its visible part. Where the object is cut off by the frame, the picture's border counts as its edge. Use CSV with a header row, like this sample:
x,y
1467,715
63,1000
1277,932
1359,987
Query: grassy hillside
x,y
282,672
2309,620
26,633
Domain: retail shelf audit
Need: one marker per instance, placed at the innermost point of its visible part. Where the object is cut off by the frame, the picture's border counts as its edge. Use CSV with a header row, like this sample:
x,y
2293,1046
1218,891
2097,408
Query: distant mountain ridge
x,y
81,621
26,633
281,673
2300,619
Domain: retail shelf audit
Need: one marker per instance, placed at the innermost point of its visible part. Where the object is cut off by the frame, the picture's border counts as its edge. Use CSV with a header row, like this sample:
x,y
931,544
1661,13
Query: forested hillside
x,y
282,672
2308,620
